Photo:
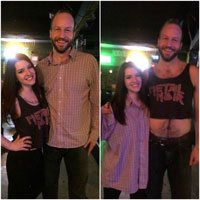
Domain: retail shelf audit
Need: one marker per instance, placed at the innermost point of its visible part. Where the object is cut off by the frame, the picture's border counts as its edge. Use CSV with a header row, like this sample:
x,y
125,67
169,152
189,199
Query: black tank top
x,y
170,98
34,122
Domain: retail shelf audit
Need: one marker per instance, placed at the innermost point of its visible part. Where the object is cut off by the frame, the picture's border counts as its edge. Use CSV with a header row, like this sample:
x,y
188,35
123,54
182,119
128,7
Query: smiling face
x,y
62,32
169,42
25,73
132,79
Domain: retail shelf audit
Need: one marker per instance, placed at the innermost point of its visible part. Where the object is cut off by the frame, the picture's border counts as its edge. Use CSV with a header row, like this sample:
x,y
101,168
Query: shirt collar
x,y
72,55
130,102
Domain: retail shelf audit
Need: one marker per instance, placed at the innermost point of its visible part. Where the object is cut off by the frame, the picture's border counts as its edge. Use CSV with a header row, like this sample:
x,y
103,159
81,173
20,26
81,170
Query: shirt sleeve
x,y
108,124
94,99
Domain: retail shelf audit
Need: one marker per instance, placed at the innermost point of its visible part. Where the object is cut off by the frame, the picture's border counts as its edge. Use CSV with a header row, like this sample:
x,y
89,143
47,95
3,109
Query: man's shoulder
x,y
43,62
85,55
194,68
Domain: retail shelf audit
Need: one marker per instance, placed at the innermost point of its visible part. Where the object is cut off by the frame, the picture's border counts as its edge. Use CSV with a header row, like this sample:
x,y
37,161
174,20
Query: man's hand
x,y
106,108
90,145
194,157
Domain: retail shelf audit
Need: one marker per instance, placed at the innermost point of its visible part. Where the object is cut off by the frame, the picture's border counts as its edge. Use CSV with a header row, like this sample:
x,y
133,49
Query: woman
x,y
23,100
125,127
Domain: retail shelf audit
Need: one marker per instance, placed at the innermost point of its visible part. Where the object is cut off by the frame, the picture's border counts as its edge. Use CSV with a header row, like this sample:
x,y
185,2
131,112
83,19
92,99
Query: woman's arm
x,y
108,121
20,144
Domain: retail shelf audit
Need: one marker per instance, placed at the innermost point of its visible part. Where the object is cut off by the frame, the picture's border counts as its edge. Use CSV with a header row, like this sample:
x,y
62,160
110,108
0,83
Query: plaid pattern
x,y
125,162
72,92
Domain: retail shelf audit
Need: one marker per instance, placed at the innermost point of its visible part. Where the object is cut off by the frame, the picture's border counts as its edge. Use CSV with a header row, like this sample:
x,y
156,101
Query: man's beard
x,y
64,49
168,59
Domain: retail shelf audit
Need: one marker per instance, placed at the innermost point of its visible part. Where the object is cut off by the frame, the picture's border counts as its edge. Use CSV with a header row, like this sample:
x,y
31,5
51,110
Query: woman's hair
x,y
119,99
11,87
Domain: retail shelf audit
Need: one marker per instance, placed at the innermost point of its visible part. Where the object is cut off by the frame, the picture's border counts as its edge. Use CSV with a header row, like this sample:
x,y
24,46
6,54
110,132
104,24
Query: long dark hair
x,y
11,87
119,99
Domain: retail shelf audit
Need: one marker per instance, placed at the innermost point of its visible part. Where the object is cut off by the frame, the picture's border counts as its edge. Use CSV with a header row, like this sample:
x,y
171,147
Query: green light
x,y
106,59
107,45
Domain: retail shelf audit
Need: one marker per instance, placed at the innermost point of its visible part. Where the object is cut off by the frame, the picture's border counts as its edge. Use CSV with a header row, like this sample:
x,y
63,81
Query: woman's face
x,y
25,73
133,80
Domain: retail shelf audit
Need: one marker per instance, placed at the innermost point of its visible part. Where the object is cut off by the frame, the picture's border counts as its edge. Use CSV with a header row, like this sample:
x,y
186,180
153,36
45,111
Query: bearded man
x,y
71,82
173,92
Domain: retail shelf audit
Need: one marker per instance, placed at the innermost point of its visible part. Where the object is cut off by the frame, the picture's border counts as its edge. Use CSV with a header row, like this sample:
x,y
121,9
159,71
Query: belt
x,y
34,149
164,141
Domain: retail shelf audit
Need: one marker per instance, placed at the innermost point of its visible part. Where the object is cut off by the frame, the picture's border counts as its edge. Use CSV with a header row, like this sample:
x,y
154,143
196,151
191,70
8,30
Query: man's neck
x,y
169,69
168,65
59,58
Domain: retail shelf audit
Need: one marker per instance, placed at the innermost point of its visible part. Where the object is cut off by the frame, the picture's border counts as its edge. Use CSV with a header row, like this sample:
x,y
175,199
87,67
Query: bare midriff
x,y
170,127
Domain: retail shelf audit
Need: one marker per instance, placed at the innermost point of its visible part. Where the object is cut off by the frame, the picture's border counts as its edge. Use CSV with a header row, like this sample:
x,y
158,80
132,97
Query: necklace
x,y
33,102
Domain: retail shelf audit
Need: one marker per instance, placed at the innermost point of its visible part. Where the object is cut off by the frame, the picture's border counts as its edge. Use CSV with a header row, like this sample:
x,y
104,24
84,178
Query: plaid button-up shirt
x,y
72,92
125,163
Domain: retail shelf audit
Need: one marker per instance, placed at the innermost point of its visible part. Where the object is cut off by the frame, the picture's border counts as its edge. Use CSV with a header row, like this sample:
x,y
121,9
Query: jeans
x,y
111,193
175,159
76,163
25,174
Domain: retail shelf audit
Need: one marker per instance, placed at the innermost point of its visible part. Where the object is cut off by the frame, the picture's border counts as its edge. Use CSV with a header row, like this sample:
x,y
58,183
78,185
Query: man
x,y
173,93
71,83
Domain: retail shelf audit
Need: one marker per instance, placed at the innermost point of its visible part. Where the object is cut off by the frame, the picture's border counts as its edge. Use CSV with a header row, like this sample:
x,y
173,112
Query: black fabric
x,y
34,122
111,193
25,174
76,164
170,98
165,141
173,157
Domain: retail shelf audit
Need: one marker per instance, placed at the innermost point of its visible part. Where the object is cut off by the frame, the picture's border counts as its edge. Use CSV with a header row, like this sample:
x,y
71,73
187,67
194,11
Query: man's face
x,y
62,32
169,42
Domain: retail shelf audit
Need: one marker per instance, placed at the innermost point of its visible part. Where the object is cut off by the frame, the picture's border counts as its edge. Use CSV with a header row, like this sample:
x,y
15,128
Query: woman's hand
x,y
21,144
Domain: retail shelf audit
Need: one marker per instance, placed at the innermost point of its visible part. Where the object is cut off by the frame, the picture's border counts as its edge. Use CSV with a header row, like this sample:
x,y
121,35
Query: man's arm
x,y
194,75
94,101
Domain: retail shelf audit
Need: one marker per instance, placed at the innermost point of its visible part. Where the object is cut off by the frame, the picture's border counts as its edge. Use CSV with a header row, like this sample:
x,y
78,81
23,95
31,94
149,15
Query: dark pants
x,y
25,174
76,163
173,157
111,193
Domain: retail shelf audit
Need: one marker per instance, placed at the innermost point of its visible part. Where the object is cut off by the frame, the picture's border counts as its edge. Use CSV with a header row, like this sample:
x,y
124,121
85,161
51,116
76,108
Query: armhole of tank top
x,y
187,67
187,71
150,72
19,110
190,77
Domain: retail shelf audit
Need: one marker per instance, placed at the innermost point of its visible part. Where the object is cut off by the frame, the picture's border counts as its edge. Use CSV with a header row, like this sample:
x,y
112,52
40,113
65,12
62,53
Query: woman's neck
x,y
29,95
26,90
134,96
